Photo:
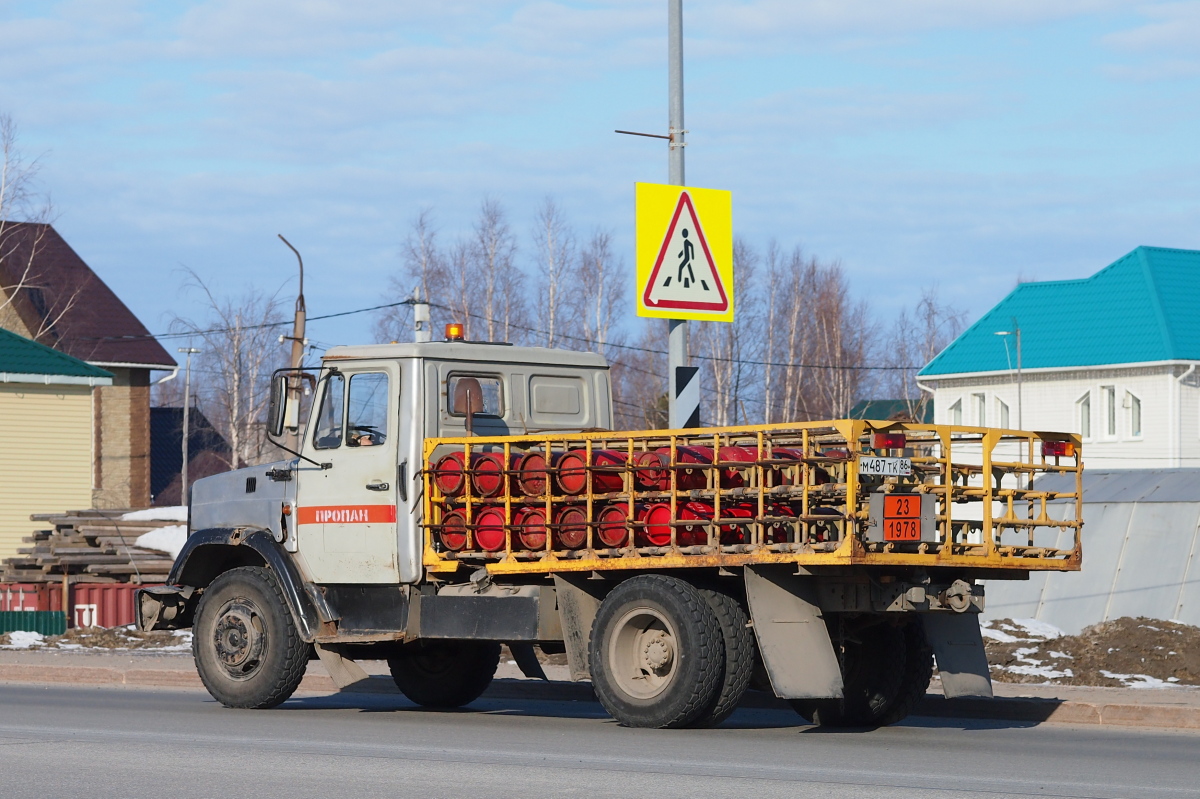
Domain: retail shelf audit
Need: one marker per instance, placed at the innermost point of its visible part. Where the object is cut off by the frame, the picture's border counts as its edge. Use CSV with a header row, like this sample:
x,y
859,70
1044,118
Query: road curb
x,y
933,705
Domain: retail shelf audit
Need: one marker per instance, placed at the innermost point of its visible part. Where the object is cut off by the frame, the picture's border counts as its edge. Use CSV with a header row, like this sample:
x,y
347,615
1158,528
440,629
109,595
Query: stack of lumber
x,y
89,545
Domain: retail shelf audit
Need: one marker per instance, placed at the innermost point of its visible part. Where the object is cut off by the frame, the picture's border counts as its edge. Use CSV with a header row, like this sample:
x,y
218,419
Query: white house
x,y
1112,357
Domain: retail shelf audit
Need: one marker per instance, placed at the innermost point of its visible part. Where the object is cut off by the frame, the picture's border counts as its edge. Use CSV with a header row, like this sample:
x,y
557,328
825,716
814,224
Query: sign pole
x,y
683,383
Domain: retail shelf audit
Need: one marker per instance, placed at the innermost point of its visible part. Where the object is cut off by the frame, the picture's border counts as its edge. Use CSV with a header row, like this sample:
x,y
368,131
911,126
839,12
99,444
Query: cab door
x,y
346,513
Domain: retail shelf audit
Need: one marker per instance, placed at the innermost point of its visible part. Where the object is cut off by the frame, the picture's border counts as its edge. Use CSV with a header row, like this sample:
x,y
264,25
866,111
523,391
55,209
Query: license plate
x,y
888,467
902,517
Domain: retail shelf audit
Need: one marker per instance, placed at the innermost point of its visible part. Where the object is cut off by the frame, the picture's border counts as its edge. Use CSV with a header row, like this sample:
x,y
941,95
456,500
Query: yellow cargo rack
x,y
809,506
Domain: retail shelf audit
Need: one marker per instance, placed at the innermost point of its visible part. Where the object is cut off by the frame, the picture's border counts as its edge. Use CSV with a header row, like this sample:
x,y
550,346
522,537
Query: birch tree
x,y
555,248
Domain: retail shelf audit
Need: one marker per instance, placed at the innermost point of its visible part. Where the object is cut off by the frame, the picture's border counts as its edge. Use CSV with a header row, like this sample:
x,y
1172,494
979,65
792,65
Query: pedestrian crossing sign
x,y
684,252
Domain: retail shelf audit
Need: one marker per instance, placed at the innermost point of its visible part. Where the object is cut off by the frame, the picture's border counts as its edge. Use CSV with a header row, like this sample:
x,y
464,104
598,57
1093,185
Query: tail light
x,y
1058,449
889,441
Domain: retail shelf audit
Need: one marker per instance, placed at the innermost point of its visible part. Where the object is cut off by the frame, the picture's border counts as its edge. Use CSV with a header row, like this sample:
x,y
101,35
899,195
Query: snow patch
x,y
168,539
176,513
996,635
21,639
1137,680
1039,629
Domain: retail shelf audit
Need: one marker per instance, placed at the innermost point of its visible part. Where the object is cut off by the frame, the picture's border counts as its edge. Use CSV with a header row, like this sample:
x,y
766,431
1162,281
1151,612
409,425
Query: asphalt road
x,y
106,742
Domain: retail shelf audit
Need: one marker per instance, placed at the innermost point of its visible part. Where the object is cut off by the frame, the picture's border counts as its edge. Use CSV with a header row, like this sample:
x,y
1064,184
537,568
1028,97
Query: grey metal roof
x,y
1130,485
471,351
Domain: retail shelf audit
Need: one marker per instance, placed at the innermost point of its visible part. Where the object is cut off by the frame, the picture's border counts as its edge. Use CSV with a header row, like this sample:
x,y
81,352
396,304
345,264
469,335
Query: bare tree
x,y
425,273
729,350
555,248
494,276
26,213
240,348
914,341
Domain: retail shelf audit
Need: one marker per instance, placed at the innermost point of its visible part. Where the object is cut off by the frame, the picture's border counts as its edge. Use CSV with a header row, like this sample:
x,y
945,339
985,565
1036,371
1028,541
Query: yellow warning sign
x,y
684,252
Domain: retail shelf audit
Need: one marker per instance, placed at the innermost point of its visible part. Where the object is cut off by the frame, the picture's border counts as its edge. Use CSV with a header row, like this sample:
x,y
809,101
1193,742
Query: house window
x,y
956,412
1085,415
1002,412
980,409
1110,409
1135,415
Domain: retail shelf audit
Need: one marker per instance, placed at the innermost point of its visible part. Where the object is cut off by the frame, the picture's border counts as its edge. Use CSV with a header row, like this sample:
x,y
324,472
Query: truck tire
x,y
918,671
656,653
873,674
445,674
741,652
244,640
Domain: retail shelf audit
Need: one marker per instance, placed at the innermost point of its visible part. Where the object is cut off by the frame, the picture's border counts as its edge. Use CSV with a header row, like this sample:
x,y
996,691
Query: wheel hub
x,y
239,638
658,650
642,653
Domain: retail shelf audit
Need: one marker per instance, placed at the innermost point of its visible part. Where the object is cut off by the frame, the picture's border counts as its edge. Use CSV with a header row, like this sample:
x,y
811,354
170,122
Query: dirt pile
x,y
100,638
1130,653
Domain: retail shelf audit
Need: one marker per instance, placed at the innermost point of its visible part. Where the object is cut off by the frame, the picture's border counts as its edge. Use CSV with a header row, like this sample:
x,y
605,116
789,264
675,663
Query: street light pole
x,y
292,422
187,405
677,342
1016,334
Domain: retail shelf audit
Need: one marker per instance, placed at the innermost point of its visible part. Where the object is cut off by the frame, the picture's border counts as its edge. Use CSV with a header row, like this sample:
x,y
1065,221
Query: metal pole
x,y
187,428
1020,416
421,331
677,344
292,423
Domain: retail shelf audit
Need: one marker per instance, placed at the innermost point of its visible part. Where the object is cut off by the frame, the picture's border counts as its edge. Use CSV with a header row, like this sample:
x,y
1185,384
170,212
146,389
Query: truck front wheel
x,y
247,649
445,674
657,656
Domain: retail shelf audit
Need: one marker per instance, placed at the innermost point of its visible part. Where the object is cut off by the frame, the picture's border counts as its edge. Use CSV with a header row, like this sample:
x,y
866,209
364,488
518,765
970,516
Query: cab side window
x,y
329,418
490,388
367,417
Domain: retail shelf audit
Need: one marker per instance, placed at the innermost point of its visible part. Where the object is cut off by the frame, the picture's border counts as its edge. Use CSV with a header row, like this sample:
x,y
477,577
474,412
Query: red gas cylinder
x,y
650,471
448,474
687,476
608,466
531,527
792,462
453,532
610,525
779,532
657,520
487,473
703,511
571,524
532,475
732,476
489,529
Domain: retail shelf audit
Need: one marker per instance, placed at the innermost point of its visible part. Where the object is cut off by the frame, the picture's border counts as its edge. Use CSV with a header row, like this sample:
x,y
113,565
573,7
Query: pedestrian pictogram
x,y
685,255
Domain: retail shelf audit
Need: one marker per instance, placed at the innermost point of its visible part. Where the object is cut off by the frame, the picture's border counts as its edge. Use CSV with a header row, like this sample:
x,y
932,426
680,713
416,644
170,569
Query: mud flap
x,y
578,601
527,661
958,648
792,635
344,671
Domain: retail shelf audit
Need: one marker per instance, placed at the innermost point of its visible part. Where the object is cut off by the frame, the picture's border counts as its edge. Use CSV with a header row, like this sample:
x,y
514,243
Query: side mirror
x,y
277,407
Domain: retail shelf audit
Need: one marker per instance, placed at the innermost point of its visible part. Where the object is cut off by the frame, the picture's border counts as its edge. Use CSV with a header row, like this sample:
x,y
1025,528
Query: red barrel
x,y
448,474
650,471
531,527
703,511
657,520
489,529
487,473
610,525
733,476
532,475
571,527
689,477
608,466
453,532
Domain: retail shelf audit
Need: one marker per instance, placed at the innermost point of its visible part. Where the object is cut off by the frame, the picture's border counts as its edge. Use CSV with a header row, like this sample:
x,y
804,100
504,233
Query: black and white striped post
x,y
685,396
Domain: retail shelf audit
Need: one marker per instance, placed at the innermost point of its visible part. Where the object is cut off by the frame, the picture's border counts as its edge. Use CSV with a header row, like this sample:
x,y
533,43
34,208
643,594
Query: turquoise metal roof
x,y
22,356
1143,307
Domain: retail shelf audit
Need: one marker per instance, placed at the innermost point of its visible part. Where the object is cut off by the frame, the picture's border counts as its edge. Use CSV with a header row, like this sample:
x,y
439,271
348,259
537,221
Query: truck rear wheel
x,y
740,656
656,653
918,671
445,674
245,643
873,675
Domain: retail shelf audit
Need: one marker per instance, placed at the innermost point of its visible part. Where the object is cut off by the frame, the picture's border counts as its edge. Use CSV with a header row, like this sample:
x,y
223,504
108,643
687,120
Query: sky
x,y
949,143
